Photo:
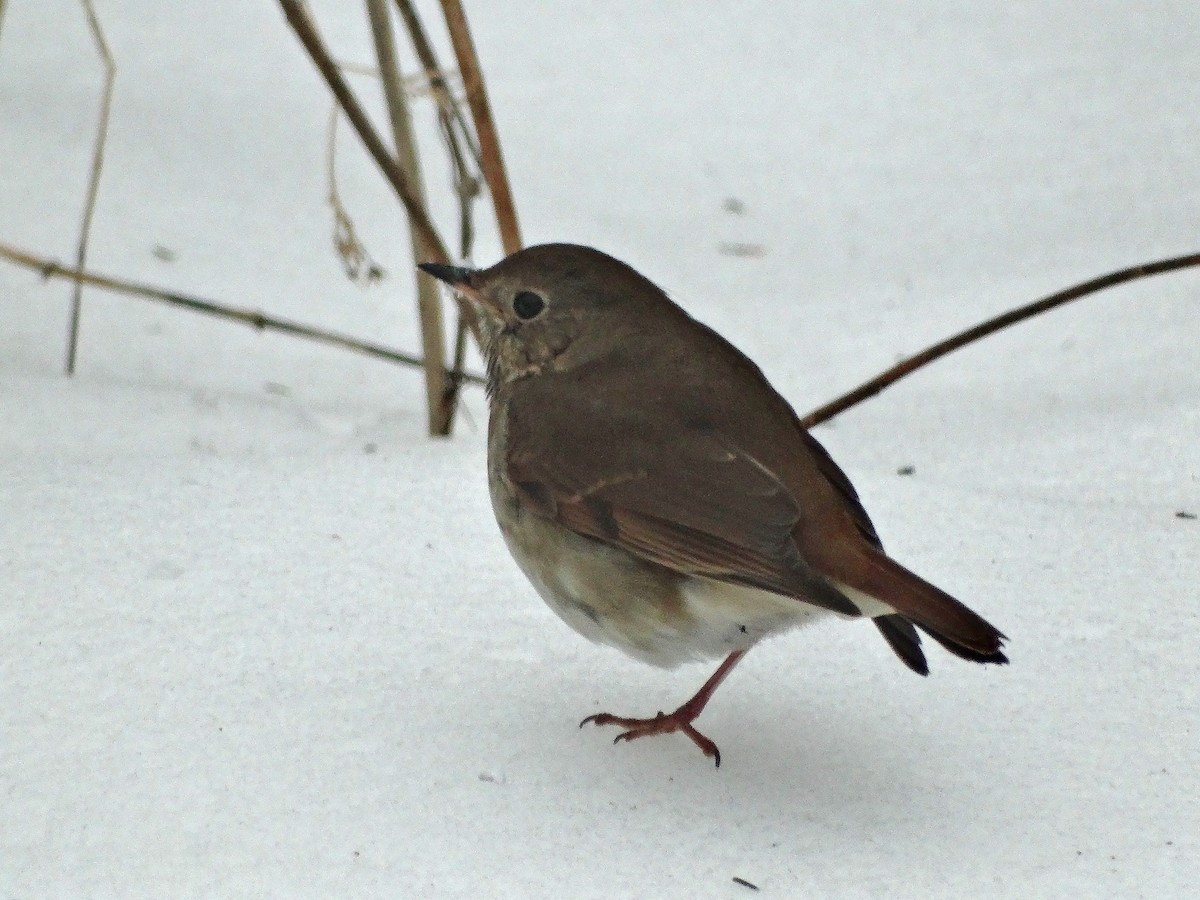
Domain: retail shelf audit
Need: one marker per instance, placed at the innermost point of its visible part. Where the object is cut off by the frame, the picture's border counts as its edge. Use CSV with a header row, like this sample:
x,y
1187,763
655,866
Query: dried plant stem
x,y
433,72
457,375
51,269
461,144
89,207
485,127
925,357
356,259
429,302
298,17
453,125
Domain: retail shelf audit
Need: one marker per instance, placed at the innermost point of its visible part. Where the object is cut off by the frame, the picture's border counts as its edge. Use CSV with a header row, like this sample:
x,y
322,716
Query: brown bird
x,y
660,495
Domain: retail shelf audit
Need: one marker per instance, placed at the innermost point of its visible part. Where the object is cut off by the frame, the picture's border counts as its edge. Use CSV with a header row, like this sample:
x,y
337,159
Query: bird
x,y
660,495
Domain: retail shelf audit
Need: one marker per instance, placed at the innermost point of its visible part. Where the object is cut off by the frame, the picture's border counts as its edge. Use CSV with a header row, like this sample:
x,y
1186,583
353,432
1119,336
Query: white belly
x,y
654,615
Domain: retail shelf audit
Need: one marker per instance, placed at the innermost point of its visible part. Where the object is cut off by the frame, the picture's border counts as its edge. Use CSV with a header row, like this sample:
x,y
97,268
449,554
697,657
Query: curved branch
x,y
925,357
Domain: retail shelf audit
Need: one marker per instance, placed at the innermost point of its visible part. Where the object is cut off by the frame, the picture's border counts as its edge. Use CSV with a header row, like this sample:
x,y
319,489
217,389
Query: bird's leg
x,y
680,720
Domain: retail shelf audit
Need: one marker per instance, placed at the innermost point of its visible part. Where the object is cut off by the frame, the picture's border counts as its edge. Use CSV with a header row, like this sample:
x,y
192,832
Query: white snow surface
x,y
258,633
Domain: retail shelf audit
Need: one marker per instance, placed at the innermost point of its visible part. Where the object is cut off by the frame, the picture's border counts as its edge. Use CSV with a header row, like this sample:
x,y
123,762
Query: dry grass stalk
x,y
48,268
458,137
298,17
300,21
438,85
460,144
89,207
429,302
489,142
358,263
464,151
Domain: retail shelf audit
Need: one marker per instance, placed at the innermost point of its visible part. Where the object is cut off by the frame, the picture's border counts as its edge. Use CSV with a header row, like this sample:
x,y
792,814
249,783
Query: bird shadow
x,y
780,761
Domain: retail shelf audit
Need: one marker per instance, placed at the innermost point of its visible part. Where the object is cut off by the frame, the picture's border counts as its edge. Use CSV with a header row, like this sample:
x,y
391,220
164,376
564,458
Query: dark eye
x,y
527,304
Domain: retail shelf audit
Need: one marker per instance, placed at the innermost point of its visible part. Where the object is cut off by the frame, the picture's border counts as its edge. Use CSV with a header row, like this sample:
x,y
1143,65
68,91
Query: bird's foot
x,y
663,723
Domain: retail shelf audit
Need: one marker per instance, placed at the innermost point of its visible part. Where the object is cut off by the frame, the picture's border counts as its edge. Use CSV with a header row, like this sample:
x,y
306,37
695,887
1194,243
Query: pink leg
x,y
680,720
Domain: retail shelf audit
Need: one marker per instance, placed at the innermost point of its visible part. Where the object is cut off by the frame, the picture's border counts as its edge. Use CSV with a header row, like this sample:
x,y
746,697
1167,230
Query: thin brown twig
x,y
457,375
298,18
300,21
485,127
461,145
49,268
453,124
457,135
429,301
433,74
466,197
462,178
925,357
89,207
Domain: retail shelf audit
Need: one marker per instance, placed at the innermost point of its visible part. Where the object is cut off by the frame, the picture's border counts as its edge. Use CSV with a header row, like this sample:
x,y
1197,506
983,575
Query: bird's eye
x,y
527,304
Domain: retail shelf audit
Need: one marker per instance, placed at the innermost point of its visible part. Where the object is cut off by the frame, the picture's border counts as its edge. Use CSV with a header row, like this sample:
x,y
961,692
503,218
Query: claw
x,y
663,723
680,720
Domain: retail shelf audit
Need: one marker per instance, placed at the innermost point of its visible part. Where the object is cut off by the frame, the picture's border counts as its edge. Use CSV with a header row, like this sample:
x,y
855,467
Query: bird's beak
x,y
455,276
460,279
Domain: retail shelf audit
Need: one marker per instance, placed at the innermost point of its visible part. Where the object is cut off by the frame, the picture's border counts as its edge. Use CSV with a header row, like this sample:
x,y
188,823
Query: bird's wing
x,y
683,494
833,473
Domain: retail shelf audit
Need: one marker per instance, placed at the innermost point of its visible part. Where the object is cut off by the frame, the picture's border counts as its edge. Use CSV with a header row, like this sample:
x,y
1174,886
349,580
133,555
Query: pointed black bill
x,y
452,275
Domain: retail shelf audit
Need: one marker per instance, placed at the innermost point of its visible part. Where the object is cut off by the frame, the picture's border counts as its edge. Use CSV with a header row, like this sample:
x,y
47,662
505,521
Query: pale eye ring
x,y
527,305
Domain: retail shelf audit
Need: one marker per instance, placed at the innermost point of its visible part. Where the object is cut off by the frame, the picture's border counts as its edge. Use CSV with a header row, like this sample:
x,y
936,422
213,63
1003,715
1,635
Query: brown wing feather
x,y
835,476
685,497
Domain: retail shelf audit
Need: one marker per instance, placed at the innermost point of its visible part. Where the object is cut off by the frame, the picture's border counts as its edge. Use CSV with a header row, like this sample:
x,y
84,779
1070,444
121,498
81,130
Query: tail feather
x,y
996,656
961,631
902,637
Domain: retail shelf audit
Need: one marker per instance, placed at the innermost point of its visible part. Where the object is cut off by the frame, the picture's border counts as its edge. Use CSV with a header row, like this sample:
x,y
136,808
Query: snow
x,y
259,634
